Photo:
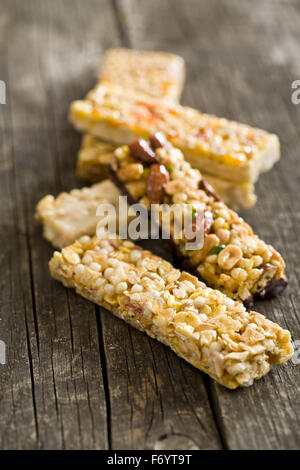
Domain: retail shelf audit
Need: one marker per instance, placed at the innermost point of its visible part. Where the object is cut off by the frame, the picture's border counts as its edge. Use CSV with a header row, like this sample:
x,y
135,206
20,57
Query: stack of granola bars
x,y
152,148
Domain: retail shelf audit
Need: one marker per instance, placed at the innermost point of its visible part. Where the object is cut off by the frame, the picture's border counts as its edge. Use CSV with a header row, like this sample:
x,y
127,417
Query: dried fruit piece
x,y
157,179
134,307
209,189
269,272
142,150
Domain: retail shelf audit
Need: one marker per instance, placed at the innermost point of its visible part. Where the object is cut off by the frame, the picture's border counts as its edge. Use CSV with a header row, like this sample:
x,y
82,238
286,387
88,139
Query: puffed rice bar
x,y
71,215
232,258
223,148
158,74
235,195
203,326
95,156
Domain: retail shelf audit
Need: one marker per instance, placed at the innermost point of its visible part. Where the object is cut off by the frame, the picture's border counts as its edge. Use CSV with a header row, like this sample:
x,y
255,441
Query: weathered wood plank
x,y
17,408
157,400
63,393
234,70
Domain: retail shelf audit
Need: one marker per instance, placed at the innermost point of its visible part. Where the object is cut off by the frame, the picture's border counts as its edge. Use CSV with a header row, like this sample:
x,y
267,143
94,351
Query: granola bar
x,y
223,148
236,195
203,326
232,258
94,158
96,155
71,215
158,74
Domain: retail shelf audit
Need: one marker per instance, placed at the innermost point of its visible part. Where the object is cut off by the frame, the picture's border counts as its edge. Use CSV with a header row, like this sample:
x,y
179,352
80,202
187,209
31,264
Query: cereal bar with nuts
x,y
203,326
71,215
95,156
236,195
231,258
223,148
158,74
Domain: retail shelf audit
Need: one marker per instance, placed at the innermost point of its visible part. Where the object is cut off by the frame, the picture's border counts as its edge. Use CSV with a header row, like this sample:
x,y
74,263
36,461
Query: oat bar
x,y
158,74
203,326
232,258
220,147
71,215
94,158
236,195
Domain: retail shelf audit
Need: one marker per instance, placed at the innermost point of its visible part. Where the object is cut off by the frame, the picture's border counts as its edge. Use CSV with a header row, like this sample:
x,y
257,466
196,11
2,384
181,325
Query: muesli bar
x,y
71,215
220,147
158,74
95,156
237,196
203,326
232,258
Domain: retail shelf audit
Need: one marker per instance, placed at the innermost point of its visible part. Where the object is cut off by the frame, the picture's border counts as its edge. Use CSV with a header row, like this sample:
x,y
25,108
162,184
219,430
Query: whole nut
x,y
158,140
141,149
228,257
157,179
130,172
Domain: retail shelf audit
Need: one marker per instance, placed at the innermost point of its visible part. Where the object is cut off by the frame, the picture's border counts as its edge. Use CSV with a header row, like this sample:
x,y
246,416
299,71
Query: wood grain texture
x,y
79,378
52,394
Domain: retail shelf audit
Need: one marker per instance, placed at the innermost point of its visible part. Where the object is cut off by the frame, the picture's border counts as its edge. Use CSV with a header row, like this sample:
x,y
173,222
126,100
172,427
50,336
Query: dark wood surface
x,y
77,378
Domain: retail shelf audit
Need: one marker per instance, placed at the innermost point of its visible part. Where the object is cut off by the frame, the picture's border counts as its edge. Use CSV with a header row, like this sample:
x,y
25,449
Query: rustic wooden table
x,y
77,378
